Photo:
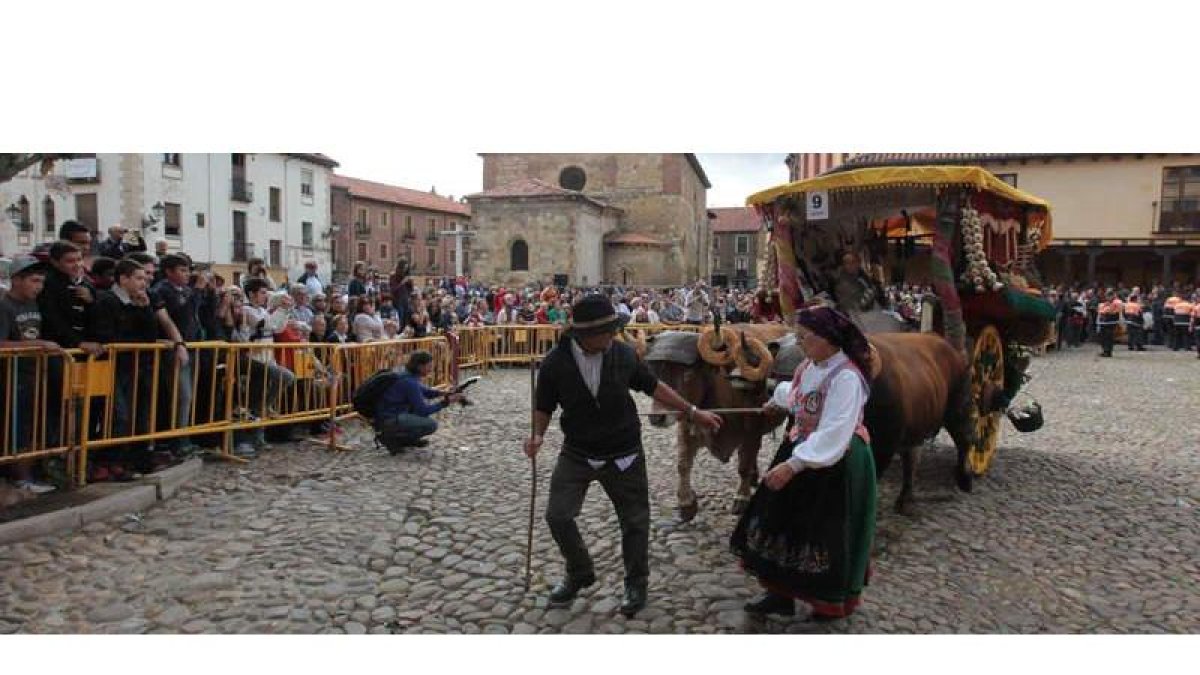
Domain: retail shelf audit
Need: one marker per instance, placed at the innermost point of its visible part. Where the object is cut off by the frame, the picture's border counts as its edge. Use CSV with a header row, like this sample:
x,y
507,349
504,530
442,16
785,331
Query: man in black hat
x,y
589,376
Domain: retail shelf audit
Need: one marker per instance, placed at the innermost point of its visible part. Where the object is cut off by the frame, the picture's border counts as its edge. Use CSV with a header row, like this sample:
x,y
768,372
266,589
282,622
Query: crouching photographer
x,y
403,413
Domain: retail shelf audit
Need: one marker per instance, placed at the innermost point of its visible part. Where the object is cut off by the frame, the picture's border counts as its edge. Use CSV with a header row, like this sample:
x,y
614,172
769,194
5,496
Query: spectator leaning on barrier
x,y
125,315
176,297
20,326
266,378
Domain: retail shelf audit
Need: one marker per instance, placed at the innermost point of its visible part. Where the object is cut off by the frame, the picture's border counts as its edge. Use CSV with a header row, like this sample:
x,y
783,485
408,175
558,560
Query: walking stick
x,y
532,474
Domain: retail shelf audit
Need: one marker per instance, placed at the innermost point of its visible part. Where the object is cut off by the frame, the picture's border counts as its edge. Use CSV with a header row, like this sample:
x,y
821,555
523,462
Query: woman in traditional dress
x,y
808,530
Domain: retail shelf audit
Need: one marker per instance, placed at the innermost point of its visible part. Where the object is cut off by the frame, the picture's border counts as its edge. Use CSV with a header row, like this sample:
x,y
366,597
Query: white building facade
x,y
220,209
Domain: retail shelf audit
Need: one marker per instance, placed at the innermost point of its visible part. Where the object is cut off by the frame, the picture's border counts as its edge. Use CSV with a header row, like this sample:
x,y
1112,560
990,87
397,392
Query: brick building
x,y
378,224
738,247
805,165
618,218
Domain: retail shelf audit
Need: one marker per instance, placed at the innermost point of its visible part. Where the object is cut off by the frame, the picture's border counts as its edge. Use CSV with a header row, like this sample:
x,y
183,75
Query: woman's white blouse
x,y
845,398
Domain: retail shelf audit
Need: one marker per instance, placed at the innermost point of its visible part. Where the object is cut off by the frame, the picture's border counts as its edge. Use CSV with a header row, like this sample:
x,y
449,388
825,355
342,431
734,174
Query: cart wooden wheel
x,y
987,379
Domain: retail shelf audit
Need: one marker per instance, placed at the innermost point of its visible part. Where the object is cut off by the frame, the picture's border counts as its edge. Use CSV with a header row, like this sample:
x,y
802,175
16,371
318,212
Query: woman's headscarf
x,y
840,332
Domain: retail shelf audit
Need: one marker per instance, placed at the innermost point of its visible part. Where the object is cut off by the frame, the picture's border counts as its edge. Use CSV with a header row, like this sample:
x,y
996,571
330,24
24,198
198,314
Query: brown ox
x,y
923,386
676,360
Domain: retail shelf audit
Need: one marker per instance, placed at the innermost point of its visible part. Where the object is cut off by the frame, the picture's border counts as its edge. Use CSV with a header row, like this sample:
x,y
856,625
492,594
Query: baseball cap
x,y
26,264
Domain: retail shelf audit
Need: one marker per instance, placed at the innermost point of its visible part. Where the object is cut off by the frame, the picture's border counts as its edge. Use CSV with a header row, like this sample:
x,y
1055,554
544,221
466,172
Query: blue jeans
x,y
407,428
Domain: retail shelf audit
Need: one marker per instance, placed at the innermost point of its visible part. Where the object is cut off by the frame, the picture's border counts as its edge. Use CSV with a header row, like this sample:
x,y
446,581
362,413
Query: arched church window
x,y
519,256
572,178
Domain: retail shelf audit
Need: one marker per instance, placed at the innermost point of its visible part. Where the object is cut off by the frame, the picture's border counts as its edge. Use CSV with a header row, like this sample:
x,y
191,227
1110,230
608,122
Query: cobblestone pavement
x,y
1087,525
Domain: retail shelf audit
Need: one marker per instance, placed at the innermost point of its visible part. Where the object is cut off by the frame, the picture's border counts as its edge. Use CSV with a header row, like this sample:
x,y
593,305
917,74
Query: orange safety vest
x,y
1108,312
1183,312
1133,311
1169,305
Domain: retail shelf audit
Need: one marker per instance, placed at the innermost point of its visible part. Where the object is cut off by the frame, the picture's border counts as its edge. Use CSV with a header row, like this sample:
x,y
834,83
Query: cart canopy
x,y
909,178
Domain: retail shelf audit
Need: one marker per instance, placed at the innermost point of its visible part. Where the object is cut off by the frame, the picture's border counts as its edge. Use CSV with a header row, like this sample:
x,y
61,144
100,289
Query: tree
x,y
12,164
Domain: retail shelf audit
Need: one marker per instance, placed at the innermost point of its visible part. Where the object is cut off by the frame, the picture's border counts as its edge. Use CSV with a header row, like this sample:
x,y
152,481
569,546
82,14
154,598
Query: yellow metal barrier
x,y
520,343
141,393
278,384
54,402
37,405
473,342
354,363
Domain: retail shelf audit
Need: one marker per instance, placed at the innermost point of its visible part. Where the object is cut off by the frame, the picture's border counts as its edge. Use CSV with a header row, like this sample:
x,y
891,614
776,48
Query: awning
x,y
902,176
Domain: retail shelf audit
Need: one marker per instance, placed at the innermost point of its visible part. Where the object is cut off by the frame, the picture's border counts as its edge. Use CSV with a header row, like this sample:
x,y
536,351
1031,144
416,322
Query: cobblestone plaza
x,y
1089,525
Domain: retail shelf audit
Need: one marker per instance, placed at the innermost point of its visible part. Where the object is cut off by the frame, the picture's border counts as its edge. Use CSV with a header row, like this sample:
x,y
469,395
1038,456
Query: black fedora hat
x,y
594,314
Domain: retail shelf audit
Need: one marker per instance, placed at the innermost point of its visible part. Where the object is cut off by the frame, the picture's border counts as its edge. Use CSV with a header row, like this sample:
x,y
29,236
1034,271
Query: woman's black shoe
x,y
635,600
565,591
769,603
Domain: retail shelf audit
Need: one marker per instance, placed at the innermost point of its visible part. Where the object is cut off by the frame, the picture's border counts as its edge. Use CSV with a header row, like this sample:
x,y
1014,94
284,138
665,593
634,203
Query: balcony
x,y
362,229
243,251
241,190
408,235
432,239
1179,216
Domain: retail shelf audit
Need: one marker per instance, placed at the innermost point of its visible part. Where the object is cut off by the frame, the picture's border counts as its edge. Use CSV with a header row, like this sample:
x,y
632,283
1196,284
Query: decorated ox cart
x,y
961,231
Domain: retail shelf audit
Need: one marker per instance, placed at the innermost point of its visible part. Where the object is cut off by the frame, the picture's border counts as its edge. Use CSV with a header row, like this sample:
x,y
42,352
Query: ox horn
x,y
754,359
717,350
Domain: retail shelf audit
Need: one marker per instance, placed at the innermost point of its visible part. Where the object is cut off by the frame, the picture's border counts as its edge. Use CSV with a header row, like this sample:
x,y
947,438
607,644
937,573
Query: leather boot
x,y
564,592
635,600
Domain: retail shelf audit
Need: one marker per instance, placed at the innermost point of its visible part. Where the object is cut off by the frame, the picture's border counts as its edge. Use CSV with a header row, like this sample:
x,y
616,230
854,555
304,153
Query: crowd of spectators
x,y
80,294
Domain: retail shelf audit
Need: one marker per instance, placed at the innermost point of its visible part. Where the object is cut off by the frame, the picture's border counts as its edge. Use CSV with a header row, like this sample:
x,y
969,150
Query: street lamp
x,y
155,216
14,215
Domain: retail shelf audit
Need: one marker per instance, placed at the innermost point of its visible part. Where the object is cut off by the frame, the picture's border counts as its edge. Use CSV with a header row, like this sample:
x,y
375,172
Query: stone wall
x,y
661,194
636,265
564,236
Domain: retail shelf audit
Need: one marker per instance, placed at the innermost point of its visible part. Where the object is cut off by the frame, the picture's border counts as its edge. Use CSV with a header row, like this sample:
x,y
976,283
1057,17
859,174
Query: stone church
x,y
588,219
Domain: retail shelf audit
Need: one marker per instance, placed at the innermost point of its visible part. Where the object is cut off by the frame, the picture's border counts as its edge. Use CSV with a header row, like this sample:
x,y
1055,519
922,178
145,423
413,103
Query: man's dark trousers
x,y
1106,339
1136,339
630,494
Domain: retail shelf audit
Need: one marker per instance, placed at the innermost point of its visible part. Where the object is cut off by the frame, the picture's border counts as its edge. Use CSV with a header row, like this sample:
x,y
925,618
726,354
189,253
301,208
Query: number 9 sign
x,y
817,205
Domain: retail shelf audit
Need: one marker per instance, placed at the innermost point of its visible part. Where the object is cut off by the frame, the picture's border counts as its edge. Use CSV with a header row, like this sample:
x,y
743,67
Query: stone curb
x,y
137,497
132,500
168,481
65,520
